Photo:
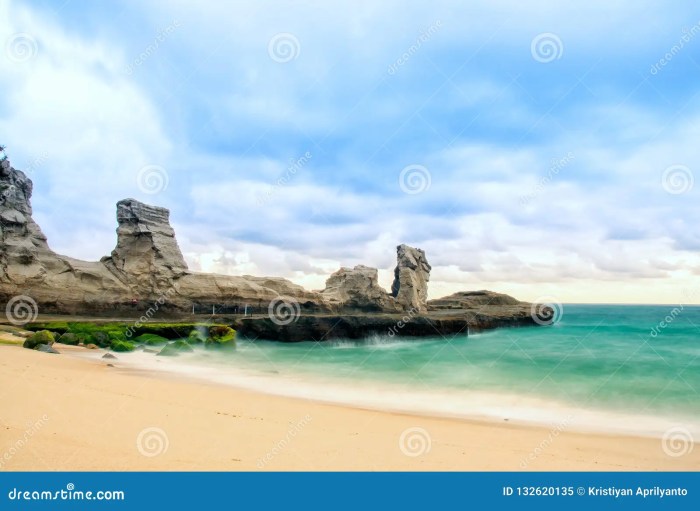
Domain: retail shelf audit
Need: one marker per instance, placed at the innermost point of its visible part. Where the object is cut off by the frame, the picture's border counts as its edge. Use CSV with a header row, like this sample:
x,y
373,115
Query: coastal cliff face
x,y
146,242
29,267
358,288
147,267
411,276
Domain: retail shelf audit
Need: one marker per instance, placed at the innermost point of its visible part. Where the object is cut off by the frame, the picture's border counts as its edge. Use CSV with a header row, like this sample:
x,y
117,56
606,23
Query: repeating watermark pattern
x,y
546,310
150,312
670,318
21,47
677,442
152,179
544,444
677,179
415,179
152,442
688,35
415,442
282,444
554,169
32,429
153,46
546,47
21,310
394,330
35,163
295,165
284,47
423,37
284,311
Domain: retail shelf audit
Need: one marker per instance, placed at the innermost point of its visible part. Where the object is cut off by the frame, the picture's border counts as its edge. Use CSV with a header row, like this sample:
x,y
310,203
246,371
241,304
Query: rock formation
x,y
473,300
411,276
358,288
147,274
146,267
29,267
146,247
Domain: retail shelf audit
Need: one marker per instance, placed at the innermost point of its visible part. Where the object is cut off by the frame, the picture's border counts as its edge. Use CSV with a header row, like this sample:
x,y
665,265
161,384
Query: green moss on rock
x,y
196,336
40,337
150,339
69,338
121,346
221,336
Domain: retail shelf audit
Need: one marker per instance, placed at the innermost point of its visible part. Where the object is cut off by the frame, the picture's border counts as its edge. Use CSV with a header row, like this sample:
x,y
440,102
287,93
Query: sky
x,y
542,149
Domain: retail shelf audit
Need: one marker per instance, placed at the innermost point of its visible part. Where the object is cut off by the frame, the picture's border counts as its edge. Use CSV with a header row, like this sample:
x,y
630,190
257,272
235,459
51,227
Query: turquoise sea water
x,y
611,358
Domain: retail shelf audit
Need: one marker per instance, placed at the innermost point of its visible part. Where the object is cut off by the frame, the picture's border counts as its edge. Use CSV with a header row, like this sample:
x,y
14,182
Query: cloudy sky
x,y
531,148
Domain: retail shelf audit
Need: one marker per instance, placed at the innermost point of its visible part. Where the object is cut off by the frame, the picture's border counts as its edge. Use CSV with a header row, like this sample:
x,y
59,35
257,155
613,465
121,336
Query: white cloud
x,y
71,106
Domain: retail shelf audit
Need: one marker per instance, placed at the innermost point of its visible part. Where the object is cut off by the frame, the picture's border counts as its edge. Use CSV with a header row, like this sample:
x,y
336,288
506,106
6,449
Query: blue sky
x,y
566,174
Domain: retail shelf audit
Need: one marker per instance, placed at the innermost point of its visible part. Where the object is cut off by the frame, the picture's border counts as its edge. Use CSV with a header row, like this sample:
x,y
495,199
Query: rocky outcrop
x,y
146,270
357,288
146,247
411,276
146,275
474,300
320,328
29,267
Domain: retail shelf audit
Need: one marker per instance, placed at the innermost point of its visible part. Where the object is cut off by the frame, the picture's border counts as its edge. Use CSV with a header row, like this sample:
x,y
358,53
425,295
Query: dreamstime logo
x,y
33,428
686,38
283,47
295,165
283,443
415,442
677,179
677,442
394,330
149,50
423,38
21,47
415,179
554,169
546,442
152,179
284,311
21,310
546,47
152,442
546,310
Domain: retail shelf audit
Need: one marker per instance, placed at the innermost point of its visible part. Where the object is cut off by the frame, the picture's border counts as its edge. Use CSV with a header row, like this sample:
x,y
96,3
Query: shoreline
x,y
111,418
478,407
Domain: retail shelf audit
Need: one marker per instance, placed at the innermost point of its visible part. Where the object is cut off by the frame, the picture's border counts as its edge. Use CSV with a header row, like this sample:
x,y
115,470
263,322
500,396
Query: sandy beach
x,y
64,413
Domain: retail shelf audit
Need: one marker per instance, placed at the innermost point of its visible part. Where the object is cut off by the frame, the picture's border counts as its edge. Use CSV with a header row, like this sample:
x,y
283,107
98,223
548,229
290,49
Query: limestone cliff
x,y
358,288
146,266
411,276
146,247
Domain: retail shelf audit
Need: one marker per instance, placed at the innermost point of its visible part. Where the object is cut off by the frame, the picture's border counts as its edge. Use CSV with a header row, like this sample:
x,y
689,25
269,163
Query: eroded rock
x,y
357,288
411,276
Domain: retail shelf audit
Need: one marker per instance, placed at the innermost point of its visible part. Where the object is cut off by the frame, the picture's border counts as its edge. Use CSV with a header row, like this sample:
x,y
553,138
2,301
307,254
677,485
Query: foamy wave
x,y
400,398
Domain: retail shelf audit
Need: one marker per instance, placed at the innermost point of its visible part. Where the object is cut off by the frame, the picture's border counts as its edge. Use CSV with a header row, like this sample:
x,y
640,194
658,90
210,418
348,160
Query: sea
x,y
611,368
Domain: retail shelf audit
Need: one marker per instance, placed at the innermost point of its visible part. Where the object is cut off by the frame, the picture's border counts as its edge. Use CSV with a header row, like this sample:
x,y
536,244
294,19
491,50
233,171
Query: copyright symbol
x,y
581,491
